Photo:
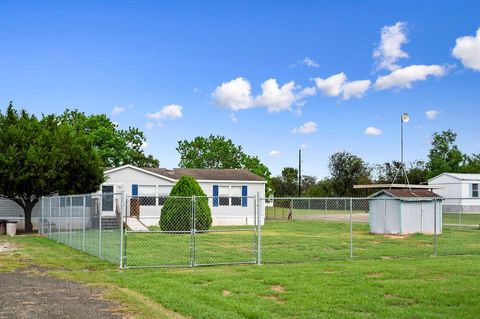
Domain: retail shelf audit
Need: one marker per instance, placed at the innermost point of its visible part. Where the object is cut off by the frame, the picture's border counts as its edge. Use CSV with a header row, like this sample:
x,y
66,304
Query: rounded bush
x,y
177,211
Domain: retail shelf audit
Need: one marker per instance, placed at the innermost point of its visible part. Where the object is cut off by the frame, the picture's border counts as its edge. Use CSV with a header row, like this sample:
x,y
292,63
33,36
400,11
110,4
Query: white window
x,y
163,192
236,195
147,194
224,195
475,191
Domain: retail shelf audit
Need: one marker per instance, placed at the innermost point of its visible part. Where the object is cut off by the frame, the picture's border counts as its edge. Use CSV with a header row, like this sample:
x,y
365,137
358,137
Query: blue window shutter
x,y
134,190
215,195
244,195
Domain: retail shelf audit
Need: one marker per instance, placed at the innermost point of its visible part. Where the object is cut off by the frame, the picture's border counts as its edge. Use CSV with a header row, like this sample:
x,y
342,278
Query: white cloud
x,y
403,78
467,50
306,92
389,50
337,85
233,117
274,153
149,125
355,89
303,146
234,95
237,95
306,128
168,112
276,98
373,131
432,114
331,86
118,109
306,62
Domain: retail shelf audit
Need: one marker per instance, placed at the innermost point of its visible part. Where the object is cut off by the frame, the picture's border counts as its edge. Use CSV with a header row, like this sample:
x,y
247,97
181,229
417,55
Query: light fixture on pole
x,y
405,118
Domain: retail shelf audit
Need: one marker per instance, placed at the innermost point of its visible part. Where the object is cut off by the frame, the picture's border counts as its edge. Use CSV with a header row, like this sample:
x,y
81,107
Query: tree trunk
x,y
28,218
27,205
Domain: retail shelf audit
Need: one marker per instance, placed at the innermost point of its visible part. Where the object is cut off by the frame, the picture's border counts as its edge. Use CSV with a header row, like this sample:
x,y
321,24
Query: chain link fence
x,y
176,232
90,223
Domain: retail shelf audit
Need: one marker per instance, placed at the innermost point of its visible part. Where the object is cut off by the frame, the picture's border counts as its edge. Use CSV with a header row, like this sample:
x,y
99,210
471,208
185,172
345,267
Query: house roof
x,y
408,194
201,174
459,176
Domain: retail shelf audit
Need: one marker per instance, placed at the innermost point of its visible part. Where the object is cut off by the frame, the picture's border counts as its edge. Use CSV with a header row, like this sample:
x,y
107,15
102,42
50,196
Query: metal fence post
x,y
59,229
259,228
41,216
100,209
71,217
351,230
83,223
50,218
122,213
192,234
434,227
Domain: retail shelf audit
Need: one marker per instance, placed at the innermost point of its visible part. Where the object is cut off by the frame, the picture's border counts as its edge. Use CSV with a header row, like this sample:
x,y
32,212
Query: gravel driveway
x,y
30,296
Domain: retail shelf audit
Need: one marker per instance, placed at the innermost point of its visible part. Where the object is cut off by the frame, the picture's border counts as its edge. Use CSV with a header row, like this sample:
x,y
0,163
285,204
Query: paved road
x,y
41,297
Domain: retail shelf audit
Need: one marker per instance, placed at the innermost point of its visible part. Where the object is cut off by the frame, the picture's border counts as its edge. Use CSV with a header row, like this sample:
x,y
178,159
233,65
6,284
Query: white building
x,y
230,192
405,211
461,191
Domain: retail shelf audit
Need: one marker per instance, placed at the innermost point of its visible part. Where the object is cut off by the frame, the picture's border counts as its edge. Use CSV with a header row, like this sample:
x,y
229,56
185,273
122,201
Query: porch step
x,y
109,222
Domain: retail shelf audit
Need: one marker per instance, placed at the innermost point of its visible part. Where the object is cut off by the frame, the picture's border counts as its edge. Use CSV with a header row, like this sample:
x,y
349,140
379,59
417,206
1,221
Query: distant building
x,y
461,191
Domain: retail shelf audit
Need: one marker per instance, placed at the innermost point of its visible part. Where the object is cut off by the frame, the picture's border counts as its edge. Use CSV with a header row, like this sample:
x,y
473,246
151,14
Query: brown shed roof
x,y
408,193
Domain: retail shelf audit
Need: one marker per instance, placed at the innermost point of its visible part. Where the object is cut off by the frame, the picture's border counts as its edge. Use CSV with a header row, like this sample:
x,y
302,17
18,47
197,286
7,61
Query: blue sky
x,y
270,75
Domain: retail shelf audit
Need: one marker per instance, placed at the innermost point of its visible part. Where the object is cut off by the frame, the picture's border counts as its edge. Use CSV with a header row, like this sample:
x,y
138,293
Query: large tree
x,y
347,170
217,151
286,185
416,172
44,156
115,146
444,155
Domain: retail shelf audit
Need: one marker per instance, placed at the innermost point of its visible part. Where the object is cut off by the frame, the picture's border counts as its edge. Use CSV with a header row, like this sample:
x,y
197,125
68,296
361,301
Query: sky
x,y
273,76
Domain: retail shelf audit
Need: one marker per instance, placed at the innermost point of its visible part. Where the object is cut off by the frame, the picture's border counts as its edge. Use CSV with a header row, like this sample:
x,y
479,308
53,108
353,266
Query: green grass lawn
x,y
291,242
432,287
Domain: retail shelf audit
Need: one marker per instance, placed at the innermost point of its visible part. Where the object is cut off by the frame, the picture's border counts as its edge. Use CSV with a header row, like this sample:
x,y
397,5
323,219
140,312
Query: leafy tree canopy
x,y
44,156
115,146
216,151
347,170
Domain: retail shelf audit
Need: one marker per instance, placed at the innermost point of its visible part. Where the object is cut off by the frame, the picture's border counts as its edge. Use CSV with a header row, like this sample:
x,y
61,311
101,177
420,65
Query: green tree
x,y
42,157
216,151
416,172
347,170
177,210
286,185
444,155
115,146
472,164
323,188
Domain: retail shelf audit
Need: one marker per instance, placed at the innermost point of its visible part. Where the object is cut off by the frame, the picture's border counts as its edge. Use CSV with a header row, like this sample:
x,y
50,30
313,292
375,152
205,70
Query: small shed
x,y
405,211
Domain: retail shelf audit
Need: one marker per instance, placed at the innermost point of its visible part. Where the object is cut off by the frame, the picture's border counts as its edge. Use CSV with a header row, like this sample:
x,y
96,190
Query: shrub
x,y
176,213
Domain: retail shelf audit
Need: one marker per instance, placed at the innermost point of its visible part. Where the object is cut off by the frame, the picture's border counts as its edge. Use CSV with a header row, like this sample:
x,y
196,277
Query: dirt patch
x,y
395,236
26,296
275,299
375,275
226,293
278,288
6,247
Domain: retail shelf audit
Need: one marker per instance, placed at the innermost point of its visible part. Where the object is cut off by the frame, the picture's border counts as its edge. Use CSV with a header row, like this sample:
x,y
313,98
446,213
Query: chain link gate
x,y
183,240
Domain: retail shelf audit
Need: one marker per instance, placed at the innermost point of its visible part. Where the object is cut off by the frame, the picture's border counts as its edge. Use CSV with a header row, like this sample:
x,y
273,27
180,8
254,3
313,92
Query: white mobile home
x,y
405,211
461,191
230,192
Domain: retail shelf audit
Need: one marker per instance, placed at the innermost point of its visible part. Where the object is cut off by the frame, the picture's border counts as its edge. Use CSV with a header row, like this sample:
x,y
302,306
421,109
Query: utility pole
x,y
299,172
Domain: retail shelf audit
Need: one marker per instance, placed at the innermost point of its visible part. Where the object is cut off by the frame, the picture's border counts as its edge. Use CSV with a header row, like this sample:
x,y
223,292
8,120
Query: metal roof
x,y
408,194
370,186
460,176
